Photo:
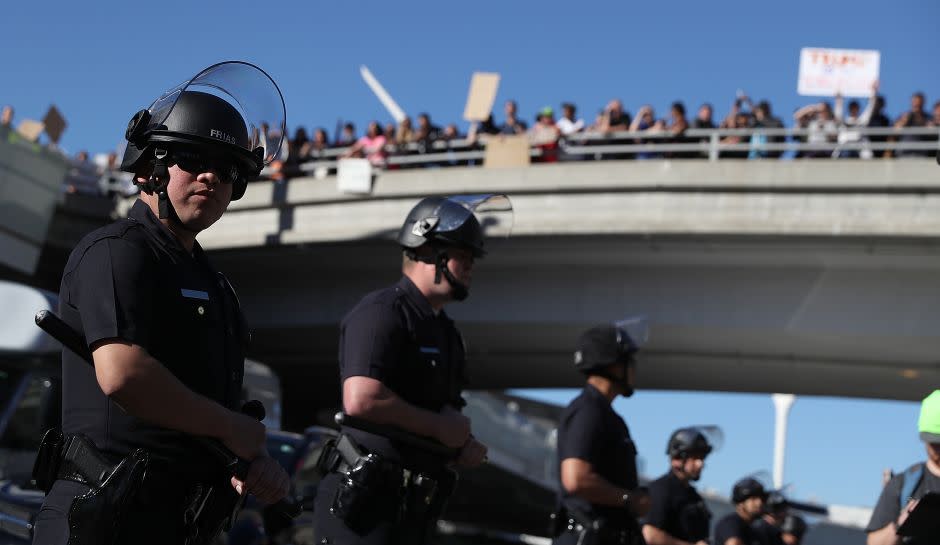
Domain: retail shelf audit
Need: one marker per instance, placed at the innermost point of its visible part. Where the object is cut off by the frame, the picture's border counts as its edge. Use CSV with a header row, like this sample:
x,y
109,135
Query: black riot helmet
x,y
776,502
451,222
747,487
794,525
617,343
685,442
218,115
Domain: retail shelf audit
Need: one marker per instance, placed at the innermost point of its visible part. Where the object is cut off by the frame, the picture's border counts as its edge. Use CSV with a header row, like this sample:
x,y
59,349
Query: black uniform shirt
x,y
394,336
677,509
590,430
731,526
132,280
767,533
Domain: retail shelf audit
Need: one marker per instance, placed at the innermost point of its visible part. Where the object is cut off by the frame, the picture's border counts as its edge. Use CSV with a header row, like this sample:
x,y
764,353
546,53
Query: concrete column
x,y
782,405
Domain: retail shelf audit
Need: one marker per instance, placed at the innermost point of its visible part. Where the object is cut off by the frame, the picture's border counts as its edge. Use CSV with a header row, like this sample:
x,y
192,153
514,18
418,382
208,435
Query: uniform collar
x,y
417,298
675,478
594,394
141,213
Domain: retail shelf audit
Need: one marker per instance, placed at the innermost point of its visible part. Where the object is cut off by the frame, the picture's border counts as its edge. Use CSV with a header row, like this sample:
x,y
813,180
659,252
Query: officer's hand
x,y
266,479
245,436
453,428
472,454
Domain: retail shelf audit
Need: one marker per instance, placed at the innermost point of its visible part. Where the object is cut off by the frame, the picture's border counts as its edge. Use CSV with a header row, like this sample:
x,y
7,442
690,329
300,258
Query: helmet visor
x,y
637,328
249,89
712,434
493,211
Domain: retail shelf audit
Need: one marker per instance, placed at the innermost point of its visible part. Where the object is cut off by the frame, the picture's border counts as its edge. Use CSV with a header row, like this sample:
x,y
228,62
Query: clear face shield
x,y
714,435
493,211
637,329
249,89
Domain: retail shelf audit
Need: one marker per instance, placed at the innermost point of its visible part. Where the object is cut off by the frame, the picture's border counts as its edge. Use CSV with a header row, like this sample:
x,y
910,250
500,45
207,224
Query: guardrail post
x,y
713,146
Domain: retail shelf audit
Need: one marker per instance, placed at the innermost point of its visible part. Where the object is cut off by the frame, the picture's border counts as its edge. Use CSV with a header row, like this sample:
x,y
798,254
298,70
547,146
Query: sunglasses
x,y
196,163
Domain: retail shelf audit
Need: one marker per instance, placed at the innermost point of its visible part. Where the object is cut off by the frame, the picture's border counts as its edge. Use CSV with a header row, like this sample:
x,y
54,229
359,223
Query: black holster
x,y
593,530
423,500
94,517
209,509
368,492
372,490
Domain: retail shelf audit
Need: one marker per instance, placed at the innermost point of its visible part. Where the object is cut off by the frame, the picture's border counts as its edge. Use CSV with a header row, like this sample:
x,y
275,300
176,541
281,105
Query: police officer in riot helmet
x,y
678,514
166,334
402,365
767,526
792,529
600,498
748,496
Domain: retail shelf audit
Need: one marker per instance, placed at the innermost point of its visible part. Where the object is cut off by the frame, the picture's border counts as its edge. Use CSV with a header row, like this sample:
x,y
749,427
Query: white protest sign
x,y
827,72
354,176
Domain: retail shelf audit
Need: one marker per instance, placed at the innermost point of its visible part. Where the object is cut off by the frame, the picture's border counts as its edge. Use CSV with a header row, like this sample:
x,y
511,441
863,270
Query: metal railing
x,y
711,144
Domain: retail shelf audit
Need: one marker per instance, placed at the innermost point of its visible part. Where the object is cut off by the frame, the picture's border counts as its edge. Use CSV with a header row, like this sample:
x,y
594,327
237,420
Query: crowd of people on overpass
x,y
833,130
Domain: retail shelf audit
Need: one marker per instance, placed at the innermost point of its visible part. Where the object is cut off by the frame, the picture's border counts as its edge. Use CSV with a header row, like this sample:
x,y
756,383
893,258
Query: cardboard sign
x,y
480,98
55,124
827,72
507,151
354,176
30,129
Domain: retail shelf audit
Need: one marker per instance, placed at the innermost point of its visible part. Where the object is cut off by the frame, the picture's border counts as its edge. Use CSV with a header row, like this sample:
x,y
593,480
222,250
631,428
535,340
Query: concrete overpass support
x,y
815,278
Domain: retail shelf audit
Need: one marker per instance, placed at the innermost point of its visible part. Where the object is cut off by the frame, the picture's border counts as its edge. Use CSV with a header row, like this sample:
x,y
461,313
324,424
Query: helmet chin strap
x,y
457,289
158,183
623,382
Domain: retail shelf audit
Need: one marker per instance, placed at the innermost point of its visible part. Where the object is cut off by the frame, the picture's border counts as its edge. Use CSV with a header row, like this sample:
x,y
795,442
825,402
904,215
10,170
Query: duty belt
x,y
344,455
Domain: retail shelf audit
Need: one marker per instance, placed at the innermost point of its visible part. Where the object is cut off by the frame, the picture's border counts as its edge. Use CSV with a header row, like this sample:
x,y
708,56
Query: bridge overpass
x,y
811,277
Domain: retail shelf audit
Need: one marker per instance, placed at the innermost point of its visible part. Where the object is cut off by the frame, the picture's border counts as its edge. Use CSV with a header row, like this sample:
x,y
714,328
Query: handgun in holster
x,y
94,517
369,489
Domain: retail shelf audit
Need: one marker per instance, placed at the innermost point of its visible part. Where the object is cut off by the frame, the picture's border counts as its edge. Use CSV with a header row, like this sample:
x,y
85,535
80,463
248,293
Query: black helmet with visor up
x,y
453,221
616,343
694,441
457,221
747,487
217,116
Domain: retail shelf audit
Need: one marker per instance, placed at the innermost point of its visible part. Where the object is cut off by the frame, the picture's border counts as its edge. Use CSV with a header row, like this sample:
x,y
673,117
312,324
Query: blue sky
x,y
836,448
101,64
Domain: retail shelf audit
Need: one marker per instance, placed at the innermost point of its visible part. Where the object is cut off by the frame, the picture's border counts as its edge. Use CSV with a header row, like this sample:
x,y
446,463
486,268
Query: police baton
x,y
396,434
49,322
